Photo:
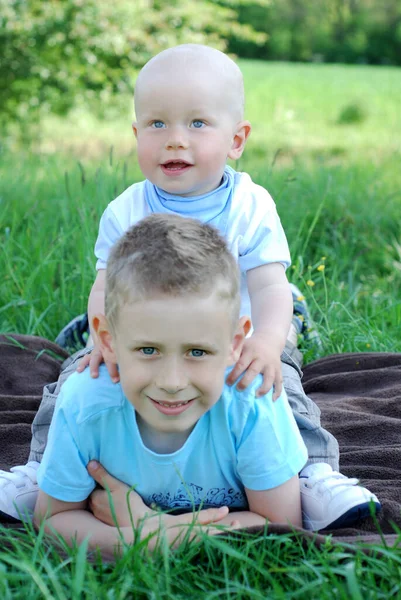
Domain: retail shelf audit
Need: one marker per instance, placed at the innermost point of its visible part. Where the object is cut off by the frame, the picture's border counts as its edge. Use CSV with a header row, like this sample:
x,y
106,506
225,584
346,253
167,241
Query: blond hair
x,y
173,255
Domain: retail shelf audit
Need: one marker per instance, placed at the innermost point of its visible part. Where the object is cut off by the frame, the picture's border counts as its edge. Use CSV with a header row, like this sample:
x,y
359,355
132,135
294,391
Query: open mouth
x,y
175,167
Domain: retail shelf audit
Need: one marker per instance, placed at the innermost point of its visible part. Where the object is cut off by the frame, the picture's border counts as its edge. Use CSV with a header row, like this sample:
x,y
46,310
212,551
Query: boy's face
x,y
172,352
185,132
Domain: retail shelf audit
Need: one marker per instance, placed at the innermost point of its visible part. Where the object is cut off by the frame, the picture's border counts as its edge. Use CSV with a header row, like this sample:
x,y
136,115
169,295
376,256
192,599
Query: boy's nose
x,y
172,378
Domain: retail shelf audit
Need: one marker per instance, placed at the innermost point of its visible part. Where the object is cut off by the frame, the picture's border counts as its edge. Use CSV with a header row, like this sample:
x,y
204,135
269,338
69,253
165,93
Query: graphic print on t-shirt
x,y
189,496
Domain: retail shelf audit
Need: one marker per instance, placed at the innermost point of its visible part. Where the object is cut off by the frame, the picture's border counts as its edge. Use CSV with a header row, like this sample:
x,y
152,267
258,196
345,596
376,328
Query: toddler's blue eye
x,y
148,351
198,123
158,124
196,353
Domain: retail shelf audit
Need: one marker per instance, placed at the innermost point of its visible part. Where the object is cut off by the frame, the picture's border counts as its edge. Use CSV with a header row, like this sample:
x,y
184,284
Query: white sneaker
x,y
331,500
18,492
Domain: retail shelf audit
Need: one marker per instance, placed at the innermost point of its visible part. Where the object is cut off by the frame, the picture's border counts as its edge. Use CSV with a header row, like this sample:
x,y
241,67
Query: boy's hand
x,y
126,501
94,360
259,355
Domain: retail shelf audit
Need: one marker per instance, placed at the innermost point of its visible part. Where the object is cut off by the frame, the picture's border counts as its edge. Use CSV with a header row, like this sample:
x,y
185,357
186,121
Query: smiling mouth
x,y
175,166
172,404
172,409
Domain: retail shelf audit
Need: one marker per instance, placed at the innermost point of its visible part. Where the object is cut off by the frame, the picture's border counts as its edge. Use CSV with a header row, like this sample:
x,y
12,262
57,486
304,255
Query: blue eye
x,y
196,353
148,351
158,124
198,124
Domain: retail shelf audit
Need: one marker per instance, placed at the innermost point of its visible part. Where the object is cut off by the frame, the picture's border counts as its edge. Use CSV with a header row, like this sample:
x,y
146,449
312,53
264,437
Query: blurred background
x,y
77,59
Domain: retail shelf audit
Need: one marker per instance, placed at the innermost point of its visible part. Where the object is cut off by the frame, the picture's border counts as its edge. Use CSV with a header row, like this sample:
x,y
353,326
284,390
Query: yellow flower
x,y
310,283
367,345
300,298
323,258
320,268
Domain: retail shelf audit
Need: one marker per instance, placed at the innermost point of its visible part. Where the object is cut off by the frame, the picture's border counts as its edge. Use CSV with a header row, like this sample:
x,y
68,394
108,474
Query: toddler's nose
x,y
177,139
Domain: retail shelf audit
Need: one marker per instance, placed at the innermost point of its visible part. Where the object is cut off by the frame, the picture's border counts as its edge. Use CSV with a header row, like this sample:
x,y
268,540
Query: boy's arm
x,y
75,524
281,504
271,306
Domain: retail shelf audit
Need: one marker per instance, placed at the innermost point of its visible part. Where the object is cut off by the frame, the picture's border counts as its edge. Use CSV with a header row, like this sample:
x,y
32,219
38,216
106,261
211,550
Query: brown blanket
x,y
359,396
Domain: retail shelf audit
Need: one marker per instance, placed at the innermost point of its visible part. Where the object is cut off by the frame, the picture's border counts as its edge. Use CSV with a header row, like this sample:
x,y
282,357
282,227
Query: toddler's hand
x,y
94,360
258,355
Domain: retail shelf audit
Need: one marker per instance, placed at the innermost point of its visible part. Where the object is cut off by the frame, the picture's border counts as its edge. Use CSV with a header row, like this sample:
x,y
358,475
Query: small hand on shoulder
x,y
94,359
259,355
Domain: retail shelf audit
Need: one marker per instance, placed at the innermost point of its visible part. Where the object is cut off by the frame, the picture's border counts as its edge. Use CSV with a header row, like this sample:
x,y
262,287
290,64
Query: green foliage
x,y
352,113
63,53
350,31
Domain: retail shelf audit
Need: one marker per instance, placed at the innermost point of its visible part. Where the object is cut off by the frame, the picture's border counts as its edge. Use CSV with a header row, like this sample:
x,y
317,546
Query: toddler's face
x,y
185,133
172,354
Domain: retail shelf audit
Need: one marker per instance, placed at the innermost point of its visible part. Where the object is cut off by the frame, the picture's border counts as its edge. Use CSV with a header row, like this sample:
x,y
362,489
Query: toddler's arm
x,y
271,306
96,306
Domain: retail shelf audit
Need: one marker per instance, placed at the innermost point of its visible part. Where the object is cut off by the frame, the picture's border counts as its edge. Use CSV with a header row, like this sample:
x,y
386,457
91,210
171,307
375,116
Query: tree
x,y
60,53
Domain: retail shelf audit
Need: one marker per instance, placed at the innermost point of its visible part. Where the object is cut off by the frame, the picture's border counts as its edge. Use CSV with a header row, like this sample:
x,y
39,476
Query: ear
x,y
104,336
241,135
243,328
135,129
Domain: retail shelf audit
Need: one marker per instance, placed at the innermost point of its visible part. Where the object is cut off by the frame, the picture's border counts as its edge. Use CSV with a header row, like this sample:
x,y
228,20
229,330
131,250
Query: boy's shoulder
x,y
241,406
84,397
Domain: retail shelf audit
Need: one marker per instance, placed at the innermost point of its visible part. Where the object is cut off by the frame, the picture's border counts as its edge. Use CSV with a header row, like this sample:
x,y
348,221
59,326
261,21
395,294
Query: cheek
x,y
213,152
212,379
134,377
146,150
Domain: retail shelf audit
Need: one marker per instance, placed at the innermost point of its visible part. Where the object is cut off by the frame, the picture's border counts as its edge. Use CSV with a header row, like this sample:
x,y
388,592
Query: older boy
x,y
171,428
189,103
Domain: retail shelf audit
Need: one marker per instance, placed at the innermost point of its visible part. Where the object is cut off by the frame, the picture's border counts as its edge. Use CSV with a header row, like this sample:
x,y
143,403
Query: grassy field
x,y
326,145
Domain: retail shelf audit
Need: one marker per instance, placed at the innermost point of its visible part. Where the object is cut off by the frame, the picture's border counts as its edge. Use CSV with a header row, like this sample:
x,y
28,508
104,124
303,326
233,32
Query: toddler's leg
x,y
322,446
42,420
329,499
19,488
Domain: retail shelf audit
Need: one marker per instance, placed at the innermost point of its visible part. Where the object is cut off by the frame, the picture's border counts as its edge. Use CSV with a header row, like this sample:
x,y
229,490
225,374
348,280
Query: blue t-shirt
x,y
242,441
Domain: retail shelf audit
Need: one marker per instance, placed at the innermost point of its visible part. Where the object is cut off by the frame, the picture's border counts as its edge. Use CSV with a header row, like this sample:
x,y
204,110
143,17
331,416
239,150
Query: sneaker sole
x,y
355,514
6,518
347,519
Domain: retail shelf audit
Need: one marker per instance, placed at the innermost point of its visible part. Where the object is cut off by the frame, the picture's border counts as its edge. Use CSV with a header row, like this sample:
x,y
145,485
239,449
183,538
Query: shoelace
x,y
336,480
15,475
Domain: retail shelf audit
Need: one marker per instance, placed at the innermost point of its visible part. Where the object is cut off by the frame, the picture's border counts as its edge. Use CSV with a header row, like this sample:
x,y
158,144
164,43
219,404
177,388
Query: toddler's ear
x,y
243,328
242,133
103,335
135,129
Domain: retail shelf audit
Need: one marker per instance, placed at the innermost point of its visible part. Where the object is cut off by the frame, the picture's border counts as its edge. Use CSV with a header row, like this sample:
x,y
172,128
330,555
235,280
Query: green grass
x,y
325,144
246,566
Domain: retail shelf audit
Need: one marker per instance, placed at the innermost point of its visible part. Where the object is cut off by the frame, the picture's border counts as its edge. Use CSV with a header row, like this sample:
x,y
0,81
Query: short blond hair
x,y
173,255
